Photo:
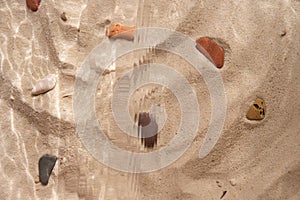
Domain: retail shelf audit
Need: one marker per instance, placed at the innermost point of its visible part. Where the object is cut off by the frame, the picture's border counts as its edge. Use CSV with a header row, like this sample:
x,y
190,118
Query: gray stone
x,y
46,165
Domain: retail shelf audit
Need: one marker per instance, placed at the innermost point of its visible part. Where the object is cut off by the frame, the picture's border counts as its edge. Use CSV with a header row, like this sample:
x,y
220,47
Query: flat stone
x,y
46,165
257,110
121,31
33,4
211,50
63,16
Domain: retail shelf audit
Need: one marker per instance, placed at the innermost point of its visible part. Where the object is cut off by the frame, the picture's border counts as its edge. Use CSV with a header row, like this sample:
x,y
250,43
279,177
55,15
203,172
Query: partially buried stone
x,y
63,17
232,182
211,50
257,110
46,165
33,4
149,129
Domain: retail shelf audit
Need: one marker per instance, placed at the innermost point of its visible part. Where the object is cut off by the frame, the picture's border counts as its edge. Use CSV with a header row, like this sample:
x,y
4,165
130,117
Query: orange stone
x,y
33,4
122,31
211,50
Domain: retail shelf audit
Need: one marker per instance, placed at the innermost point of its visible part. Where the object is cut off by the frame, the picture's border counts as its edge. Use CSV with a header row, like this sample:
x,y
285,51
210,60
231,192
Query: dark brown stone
x,y
63,17
33,4
211,50
145,120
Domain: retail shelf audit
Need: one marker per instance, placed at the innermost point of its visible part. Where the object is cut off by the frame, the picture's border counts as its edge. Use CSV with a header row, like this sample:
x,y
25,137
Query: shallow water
x,y
260,61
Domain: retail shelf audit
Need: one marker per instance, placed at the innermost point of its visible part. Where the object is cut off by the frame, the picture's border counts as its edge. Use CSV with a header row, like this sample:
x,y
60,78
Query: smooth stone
x,y
46,165
33,4
233,182
36,179
257,110
63,17
211,50
44,85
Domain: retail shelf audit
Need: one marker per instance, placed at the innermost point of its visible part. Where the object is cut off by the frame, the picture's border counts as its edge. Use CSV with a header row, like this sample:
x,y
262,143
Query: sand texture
x,y
252,160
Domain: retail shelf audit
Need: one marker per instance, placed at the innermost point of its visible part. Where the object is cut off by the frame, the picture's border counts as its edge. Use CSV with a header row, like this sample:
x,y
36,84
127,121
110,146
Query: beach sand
x,y
251,160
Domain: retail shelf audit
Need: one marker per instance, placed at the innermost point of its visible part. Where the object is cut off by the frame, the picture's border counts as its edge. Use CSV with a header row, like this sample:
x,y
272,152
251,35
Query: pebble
x,y
33,4
107,22
233,182
257,110
46,165
36,179
211,50
63,16
44,85
283,33
144,120
122,32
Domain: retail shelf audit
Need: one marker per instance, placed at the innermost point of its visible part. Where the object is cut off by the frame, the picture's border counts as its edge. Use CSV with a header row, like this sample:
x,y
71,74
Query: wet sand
x,y
252,159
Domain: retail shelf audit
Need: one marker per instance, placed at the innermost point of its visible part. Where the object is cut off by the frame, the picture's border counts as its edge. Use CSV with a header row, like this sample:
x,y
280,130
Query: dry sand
x,y
252,160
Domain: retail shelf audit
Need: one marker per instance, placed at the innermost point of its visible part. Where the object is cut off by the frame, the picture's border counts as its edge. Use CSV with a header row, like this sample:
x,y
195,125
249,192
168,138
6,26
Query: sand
x,y
251,160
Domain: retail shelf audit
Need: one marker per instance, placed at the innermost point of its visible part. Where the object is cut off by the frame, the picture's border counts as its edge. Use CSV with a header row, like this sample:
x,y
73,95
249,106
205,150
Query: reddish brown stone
x,y
211,50
33,4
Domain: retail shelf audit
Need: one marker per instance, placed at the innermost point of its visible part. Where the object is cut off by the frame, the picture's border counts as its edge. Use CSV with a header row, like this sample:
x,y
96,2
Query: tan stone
x,y
257,110
36,179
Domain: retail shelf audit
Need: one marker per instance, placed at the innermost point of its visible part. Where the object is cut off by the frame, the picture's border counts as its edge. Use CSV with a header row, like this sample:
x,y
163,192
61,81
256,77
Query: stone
x,y
122,32
33,4
46,165
149,129
233,182
107,22
36,179
44,85
108,71
257,110
63,16
211,50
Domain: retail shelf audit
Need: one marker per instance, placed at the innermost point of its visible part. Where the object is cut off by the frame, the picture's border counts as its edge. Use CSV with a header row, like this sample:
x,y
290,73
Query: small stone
x,y
12,98
44,85
233,182
211,50
122,32
283,33
149,130
33,4
63,17
108,71
257,110
107,22
46,165
36,179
